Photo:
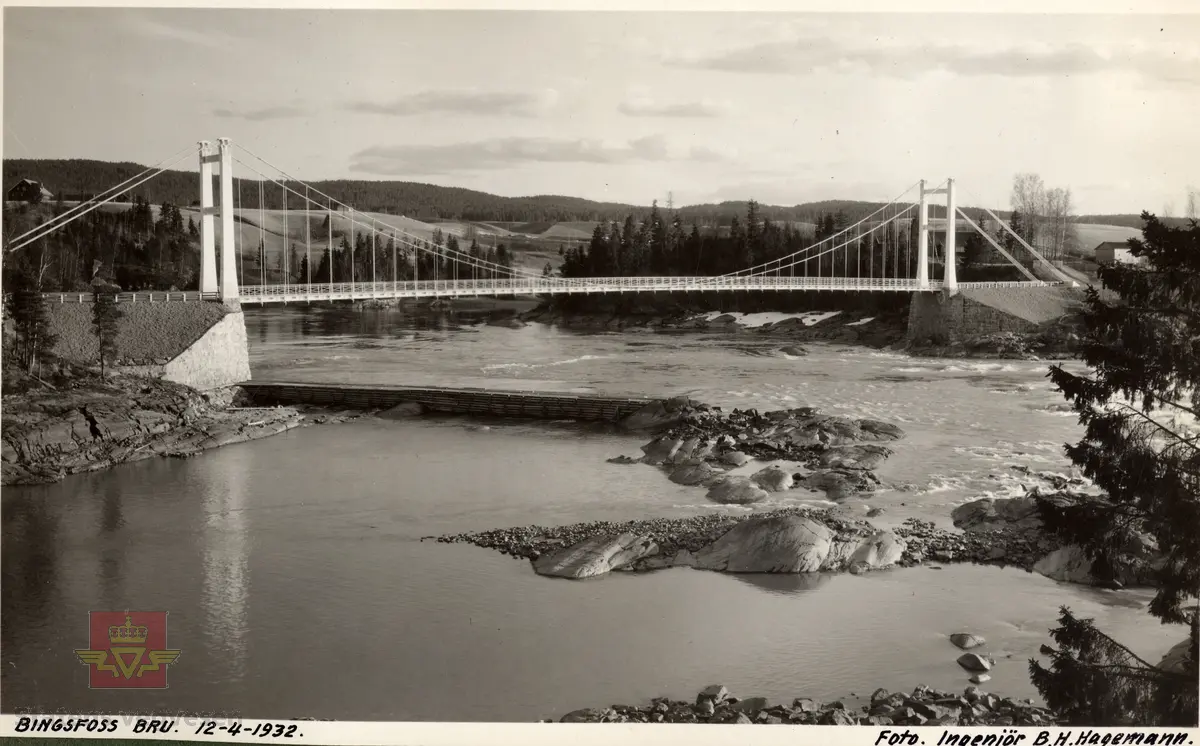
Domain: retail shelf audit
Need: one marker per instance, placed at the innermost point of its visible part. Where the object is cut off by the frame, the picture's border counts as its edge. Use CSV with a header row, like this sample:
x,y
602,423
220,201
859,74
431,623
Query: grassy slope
x,y
273,230
1092,234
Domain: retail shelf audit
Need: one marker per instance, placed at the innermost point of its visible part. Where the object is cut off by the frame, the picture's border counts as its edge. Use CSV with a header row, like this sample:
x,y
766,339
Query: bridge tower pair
x,y
227,284
925,225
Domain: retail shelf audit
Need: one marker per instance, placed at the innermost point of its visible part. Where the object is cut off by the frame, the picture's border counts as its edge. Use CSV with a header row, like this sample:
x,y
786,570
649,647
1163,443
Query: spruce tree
x,y
106,315
31,321
1144,351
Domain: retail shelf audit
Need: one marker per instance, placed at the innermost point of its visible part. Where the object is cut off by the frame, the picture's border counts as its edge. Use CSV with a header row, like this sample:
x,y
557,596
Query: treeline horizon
x,y
81,178
664,245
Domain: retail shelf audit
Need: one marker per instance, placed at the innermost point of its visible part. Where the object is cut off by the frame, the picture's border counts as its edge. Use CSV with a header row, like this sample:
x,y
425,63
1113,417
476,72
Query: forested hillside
x,y
420,201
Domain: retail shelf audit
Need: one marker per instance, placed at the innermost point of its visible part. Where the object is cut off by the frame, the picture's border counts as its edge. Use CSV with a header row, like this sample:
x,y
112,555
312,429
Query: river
x,y
297,585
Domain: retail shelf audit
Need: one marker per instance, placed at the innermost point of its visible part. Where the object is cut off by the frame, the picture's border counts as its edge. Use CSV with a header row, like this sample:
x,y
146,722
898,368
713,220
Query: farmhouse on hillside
x,y
1111,252
27,190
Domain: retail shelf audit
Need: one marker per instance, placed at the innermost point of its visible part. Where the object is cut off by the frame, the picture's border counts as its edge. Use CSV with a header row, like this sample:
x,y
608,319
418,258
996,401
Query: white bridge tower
x,y
925,225
227,283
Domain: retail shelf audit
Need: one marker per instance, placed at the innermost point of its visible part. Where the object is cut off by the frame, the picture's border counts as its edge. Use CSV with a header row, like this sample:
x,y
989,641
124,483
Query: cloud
x,y
144,26
267,114
641,104
810,54
508,152
513,103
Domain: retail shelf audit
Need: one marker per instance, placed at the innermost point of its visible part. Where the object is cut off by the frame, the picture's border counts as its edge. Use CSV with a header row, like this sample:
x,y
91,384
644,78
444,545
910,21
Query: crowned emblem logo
x,y
133,655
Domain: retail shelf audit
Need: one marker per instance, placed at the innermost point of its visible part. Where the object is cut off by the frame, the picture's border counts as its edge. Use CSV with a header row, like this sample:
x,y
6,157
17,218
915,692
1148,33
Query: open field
x,y
274,229
1092,234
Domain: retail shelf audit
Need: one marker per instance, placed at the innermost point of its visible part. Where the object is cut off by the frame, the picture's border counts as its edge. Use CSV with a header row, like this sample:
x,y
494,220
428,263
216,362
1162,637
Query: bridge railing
x,y
553,285
589,284
144,296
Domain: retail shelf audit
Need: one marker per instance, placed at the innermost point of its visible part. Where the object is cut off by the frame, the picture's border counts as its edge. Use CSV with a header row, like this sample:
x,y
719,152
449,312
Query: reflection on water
x,y
785,585
226,578
297,585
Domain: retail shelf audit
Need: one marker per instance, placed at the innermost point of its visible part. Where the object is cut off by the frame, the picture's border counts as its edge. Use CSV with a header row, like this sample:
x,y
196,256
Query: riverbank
x,y
923,706
81,422
883,329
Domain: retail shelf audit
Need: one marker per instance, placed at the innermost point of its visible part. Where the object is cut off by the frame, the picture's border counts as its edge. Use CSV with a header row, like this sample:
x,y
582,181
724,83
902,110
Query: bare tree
x,y
1193,196
1029,198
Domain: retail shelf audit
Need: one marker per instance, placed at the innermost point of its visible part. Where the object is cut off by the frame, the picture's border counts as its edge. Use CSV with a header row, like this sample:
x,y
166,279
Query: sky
x,y
627,106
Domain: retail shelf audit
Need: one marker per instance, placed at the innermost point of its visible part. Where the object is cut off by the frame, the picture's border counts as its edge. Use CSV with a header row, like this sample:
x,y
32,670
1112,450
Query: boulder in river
x,y
877,430
736,490
991,513
974,662
623,460
693,473
1067,564
661,449
735,458
595,556
660,414
773,479
794,544
793,351
839,484
685,452
715,693
966,641
1134,566
858,456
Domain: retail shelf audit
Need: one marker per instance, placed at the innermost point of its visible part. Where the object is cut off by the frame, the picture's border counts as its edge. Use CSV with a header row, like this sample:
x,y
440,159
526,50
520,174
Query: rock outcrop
x,y
660,414
783,541
1179,658
997,513
91,424
1013,529
595,556
796,543
733,490
698,444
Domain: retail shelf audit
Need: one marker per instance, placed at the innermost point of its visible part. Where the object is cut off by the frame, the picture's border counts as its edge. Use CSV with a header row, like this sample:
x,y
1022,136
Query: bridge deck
x,y
552,286
448,400
549,286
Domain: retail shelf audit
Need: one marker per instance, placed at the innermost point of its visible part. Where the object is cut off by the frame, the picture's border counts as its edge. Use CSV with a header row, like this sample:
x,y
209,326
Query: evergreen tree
x,y
1144,349
106,315
973,250
31,321
599,258
753,250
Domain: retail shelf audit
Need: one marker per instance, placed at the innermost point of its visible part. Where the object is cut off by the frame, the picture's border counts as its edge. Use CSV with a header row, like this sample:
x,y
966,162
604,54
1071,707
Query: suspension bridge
x,y
862,257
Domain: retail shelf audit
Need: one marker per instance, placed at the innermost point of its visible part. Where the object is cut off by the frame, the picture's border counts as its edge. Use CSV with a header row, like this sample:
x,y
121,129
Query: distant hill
x,y
1127,220
550,216
423,202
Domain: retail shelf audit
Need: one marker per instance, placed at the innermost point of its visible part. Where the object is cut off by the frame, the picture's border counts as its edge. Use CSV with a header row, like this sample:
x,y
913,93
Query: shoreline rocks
x,y
92,424
923,706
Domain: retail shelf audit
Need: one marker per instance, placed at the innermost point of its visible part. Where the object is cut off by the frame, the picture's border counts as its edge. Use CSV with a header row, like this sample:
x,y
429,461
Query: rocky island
x,y
695,444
